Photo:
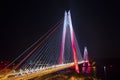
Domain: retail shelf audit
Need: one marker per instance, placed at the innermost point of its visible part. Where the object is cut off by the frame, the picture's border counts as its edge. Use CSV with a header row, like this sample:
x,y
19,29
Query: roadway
x,y
38,73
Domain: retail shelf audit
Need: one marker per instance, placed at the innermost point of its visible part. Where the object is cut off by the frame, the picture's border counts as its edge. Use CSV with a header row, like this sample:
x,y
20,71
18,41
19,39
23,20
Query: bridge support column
x,y
75,60
73,43
68,22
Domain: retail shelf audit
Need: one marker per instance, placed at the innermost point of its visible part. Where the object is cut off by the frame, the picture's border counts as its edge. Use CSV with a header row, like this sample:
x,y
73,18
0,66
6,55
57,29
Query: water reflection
x,y
88,69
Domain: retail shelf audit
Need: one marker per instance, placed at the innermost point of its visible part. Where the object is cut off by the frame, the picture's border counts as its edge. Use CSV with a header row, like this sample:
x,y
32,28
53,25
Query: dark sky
x,y
96,24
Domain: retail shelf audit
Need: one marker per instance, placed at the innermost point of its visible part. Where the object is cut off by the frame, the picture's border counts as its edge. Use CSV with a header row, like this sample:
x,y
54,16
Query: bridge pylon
x,y
86,57
68,23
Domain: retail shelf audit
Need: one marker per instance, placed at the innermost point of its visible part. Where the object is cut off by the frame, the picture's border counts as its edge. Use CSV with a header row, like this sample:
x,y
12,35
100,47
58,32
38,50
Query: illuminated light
x,y
63,38
83,69
94,68
83,64
67,21
93,63
73,43
104,67
89,70
89,63
85,54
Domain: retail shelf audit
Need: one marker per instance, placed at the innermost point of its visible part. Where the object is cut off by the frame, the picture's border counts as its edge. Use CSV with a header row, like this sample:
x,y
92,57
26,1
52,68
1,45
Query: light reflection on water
x,y
88,69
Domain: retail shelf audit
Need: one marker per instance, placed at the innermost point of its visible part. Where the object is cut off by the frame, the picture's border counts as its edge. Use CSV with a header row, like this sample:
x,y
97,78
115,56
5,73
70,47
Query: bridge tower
x,y
68,23
86,57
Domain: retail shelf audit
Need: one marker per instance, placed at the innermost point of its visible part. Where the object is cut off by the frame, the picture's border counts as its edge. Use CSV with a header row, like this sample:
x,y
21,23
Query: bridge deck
x,y
39,73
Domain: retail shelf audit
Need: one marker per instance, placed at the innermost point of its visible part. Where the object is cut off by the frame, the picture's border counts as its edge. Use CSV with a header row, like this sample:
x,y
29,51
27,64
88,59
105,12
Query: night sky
x,y
96,24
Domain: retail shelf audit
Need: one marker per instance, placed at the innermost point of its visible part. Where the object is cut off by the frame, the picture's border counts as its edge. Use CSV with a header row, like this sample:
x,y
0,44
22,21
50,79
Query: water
x,y
108,69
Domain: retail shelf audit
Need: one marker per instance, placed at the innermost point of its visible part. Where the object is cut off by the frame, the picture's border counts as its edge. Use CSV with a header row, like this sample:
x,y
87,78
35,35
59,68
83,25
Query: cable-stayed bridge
x,y
58,49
